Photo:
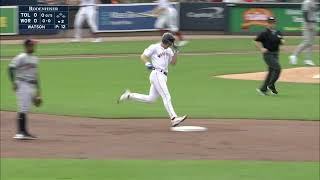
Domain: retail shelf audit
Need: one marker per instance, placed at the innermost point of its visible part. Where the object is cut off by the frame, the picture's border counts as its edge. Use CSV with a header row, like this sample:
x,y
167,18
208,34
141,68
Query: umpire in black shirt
x,y
268,43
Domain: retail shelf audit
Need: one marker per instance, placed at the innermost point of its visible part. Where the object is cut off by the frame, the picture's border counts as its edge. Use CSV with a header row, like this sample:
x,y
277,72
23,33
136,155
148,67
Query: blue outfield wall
x,y
127,17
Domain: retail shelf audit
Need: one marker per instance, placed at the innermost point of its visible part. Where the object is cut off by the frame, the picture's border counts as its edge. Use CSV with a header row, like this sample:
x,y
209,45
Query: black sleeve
x,y
260,37
11,72
280,36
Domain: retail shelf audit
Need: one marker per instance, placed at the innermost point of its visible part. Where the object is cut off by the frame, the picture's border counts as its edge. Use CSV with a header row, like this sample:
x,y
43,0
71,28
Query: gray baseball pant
x,y
308,36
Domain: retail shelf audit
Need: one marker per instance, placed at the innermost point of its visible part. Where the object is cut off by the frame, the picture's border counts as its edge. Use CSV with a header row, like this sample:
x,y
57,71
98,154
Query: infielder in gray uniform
x,y
309,9
23,73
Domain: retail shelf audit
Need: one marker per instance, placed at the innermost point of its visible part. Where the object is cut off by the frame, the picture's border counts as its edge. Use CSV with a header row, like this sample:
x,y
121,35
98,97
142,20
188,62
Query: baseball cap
x,y
28,42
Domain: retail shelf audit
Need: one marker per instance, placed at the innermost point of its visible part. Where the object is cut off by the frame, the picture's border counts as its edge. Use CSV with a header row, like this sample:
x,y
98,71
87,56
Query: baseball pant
x,y
25,93
85,13
158,87
168,20
274,69
308,36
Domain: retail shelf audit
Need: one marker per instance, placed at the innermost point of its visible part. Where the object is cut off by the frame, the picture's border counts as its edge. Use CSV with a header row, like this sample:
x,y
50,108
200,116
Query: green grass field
x,y
30,169
90,87
210,45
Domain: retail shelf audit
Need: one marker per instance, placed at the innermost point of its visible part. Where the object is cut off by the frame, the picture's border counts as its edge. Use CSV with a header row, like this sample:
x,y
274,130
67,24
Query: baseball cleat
x,y
272,90
309,63
293,59
125,96
178,120
75,40
97,40
262,93
24,136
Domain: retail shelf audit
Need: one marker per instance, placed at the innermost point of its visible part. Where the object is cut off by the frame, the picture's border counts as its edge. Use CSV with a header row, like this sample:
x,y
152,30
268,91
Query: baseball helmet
x,y
168,38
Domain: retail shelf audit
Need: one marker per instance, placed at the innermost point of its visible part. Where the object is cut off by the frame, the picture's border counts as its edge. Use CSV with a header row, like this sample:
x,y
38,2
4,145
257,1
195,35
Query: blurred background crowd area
x,y
76,2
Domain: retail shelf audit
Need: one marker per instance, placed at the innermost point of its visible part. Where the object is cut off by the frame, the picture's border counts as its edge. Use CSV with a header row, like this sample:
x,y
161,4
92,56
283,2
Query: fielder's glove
x,y
37,101
149,65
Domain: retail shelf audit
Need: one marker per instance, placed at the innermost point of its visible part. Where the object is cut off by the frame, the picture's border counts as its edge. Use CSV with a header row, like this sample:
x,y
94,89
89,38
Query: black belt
x,y
160,70
28,81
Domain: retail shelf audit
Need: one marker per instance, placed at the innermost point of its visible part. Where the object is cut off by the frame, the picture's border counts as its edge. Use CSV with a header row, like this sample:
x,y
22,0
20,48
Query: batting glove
x,y
175,49
149,65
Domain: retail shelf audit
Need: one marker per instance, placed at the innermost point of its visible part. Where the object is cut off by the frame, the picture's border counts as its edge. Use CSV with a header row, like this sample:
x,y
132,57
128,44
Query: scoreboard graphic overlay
x,y
43,19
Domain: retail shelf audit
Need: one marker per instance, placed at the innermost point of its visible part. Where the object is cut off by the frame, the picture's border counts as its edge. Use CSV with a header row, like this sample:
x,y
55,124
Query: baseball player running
x,y
309,9
161,56
168,18
87,12
23,73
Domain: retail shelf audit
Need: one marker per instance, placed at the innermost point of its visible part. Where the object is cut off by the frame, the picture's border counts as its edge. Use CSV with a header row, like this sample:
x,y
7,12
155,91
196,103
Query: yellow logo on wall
x,y
3,22
255,17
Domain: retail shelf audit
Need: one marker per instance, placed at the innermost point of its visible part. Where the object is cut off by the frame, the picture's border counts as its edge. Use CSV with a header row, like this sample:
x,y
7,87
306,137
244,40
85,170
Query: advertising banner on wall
x,y
8,20
202,16
245,18
126,17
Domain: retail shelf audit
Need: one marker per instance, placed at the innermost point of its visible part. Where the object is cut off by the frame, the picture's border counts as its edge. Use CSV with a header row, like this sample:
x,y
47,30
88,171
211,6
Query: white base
x,y
316,76
189,128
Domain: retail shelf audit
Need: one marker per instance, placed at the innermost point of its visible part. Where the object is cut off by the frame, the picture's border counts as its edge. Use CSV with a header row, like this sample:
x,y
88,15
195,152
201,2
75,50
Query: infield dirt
x,y
89,138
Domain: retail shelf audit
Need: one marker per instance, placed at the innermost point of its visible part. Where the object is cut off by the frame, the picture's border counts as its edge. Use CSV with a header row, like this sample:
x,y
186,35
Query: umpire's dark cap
x,y
272,19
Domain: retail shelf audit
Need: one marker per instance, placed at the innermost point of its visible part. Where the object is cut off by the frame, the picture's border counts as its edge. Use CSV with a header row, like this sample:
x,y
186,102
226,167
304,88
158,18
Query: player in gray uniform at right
x,y
23,73
309,9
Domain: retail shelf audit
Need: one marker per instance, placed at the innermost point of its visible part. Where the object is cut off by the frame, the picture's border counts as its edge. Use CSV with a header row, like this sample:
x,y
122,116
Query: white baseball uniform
x,y
168,18
26,76
87,12
309,29
160,58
